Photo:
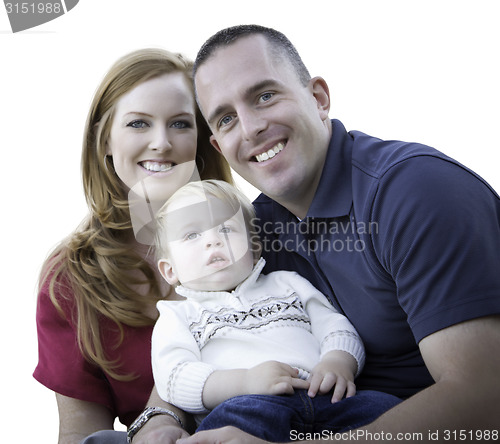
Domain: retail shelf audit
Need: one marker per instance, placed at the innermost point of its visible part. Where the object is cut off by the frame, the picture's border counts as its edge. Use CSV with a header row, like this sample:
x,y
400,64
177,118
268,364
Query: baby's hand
x,y
337,368
274,378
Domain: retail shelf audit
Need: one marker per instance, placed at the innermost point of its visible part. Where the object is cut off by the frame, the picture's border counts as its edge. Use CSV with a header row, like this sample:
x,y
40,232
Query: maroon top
x,y
62,368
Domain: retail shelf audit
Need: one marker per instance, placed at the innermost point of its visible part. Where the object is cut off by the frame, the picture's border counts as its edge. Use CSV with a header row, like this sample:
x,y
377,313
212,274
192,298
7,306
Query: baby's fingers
x,y
298,383
314,384
338,392
321,384
343,386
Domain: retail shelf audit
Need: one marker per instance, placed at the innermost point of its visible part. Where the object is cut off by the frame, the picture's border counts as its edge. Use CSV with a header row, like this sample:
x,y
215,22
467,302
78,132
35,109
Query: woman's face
x,y
153,136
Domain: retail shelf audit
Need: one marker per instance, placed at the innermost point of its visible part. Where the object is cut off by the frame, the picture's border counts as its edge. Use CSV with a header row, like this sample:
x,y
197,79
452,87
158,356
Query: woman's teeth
x,y
270,153
157,167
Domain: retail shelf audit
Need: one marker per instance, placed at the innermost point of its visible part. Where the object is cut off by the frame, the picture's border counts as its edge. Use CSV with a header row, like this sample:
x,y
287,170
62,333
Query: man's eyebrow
x,y
250,91
264,84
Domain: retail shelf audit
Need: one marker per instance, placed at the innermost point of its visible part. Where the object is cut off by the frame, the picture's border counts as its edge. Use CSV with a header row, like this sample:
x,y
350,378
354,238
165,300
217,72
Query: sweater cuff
x,y
187,386
348,342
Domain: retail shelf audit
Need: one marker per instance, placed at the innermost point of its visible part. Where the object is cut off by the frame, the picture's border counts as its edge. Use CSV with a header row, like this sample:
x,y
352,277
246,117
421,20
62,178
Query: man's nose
x,y
252,123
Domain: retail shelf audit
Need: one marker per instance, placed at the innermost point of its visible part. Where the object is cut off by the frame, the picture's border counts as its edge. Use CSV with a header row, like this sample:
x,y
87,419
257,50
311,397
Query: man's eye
x,y
191,236
225,230
225,121
137,124
265,97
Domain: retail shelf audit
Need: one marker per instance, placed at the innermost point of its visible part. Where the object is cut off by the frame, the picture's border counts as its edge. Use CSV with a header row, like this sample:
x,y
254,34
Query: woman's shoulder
x,y
55,292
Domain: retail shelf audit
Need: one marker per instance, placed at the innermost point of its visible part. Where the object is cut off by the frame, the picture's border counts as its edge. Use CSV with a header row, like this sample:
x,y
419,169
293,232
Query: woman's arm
x,y
164,428
78,419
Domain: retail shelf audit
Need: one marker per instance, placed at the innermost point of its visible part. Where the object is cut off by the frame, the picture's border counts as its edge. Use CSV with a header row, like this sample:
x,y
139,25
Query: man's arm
x,y
464,361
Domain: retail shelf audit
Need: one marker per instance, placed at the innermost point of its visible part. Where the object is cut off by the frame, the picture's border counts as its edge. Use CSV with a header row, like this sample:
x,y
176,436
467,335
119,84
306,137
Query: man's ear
x,y
215,144
167,271
321,93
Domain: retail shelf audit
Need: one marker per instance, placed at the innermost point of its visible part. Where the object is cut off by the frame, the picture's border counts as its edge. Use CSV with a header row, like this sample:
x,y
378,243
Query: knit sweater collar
x,y
249,281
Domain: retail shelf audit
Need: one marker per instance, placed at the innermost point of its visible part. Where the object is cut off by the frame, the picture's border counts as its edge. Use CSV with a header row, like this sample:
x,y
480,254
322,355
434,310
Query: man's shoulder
x,y
374,156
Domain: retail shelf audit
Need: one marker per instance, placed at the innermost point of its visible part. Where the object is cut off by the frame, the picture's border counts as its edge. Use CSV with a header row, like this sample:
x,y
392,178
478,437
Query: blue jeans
x,y
106,437
279,418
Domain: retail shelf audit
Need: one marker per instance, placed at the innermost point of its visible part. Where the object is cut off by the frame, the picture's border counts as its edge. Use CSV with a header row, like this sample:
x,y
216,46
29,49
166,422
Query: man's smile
x,y
269,154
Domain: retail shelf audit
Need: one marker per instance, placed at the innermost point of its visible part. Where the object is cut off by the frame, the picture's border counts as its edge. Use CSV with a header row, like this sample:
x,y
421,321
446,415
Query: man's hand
x,y
337,368
274,378
226,435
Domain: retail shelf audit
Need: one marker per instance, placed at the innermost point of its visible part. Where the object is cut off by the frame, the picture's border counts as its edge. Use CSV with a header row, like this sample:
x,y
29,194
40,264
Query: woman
x,y
144,137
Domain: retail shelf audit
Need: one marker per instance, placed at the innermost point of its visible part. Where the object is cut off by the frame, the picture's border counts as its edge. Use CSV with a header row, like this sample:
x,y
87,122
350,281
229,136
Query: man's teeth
x,y
157,166
270,153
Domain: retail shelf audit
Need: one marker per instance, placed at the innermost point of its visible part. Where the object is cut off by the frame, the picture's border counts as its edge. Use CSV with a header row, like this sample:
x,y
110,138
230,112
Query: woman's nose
x,y
160,141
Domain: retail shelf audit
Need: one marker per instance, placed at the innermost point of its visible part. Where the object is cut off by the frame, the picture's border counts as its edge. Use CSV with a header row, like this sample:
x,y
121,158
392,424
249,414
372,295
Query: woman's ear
x,y
107,151
321,93
167,271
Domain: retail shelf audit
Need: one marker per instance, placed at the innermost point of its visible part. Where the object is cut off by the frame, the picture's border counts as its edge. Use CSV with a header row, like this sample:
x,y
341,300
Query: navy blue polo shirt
x,y
402,239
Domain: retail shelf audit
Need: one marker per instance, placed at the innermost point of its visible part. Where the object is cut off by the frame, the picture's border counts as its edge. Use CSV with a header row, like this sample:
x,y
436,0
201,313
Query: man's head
x,y
269,118
280,46
206,239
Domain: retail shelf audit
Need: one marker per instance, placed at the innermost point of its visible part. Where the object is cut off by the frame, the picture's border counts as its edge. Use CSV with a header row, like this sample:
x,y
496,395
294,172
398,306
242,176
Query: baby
x,y
241,334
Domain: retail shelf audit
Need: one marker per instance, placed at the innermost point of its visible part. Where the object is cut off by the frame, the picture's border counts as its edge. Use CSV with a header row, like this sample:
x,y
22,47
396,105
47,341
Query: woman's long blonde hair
x,y
96,264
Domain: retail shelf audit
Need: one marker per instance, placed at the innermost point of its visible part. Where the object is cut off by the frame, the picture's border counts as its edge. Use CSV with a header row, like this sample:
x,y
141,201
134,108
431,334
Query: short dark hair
x,y
279,43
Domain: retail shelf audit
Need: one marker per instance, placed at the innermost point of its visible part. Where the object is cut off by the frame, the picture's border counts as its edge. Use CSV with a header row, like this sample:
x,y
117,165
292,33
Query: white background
x,y
423,71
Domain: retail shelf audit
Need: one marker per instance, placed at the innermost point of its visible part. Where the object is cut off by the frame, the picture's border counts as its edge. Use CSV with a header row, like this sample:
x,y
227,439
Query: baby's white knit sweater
x,y
275,317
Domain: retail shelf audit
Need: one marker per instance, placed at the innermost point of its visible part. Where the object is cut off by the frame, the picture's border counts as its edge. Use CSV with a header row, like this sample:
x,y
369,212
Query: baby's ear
x,y
167,271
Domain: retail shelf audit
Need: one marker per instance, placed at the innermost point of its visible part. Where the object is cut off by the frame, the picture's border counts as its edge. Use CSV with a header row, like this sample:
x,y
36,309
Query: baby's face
x,y
208,244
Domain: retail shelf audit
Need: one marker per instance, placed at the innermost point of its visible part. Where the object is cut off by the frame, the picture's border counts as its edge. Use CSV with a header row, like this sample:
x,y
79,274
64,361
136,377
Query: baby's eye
x,y
137,124
191,236
225,229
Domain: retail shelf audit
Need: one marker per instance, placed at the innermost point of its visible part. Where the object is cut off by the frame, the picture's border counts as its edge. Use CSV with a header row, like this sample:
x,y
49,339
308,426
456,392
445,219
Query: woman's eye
x,y
181,124
137,124
265,97
224,229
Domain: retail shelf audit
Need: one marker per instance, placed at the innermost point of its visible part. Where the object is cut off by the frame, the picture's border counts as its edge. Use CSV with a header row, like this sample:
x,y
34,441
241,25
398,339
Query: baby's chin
x,y
217,281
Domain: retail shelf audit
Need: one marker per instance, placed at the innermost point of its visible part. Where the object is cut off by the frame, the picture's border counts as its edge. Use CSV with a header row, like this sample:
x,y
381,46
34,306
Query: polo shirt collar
x,y
333,197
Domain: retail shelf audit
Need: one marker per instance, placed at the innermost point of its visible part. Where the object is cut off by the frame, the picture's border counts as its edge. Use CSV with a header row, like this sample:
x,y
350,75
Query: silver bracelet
x,y
145,416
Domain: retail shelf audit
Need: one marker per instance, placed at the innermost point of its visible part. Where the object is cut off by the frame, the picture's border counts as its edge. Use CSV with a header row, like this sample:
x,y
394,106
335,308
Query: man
x,y
401,238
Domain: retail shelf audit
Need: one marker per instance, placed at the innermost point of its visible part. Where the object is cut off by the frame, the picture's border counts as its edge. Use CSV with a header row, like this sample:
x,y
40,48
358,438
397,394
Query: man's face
x,y
273,130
